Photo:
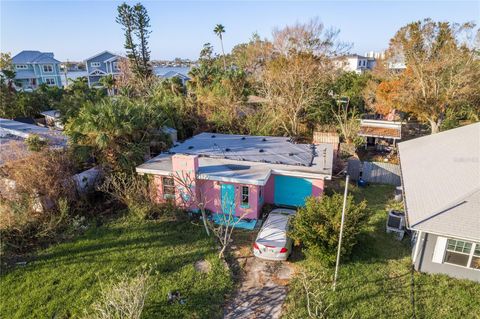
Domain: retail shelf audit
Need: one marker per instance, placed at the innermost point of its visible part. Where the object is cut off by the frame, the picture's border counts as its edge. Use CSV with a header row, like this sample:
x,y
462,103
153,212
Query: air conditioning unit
x,y
396,223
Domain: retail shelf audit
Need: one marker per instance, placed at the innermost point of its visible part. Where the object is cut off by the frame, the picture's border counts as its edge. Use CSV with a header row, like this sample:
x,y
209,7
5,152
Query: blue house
x,y
174,74
102,64
33,68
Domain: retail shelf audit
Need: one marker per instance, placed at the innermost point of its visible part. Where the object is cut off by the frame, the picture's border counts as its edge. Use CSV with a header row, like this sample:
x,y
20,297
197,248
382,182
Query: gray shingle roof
x,y
441,180
172,74
34,57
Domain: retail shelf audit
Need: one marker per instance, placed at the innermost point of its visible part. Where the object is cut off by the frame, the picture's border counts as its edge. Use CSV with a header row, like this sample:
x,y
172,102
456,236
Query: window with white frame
x,y
48,68
168,187
115,65
21,66
475,263
462,253
245,195
95,64
50,81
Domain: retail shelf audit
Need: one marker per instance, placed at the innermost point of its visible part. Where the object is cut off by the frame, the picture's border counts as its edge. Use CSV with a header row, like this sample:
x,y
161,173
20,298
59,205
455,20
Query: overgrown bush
x,y
138,195
317,226
37,197
35,143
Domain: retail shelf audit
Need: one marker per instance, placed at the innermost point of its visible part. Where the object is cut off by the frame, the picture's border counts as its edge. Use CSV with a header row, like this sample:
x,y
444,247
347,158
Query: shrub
x,y
46,175
38,200
135,192
317,225
35,143
123,300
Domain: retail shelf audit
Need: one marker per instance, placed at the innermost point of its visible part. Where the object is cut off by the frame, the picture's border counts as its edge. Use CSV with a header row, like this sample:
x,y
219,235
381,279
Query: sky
x,y
76,30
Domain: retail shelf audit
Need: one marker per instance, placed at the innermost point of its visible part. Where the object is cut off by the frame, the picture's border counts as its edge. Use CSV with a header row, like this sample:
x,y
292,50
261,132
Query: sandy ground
x,y
262,290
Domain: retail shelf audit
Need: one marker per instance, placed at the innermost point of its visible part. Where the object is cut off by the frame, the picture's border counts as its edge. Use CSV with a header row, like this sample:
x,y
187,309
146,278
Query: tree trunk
x,y
204,217
223,54
434,126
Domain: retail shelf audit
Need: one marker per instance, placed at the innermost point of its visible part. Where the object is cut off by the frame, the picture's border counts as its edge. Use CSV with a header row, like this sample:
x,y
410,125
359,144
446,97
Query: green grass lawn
x,y
375,282
64,280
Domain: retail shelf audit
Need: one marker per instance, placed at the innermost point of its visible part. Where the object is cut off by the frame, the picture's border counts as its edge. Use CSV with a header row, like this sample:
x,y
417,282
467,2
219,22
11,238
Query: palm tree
x,y
219,30
108,82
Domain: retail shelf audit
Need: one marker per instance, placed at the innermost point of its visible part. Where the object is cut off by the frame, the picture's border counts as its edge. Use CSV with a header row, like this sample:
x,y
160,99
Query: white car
x,y
272,242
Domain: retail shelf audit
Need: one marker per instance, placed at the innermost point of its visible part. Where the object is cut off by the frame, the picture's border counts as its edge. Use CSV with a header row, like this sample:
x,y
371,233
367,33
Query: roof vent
x,y
213,136
264,139
291,154
243,137
190,147
261,150
227,150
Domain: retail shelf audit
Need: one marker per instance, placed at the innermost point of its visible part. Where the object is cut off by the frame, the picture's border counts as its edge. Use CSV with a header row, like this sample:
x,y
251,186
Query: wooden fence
x,y
375,172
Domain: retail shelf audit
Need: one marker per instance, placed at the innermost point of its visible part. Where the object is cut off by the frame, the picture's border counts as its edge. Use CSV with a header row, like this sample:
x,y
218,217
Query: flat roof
x,y
238,169
24,130
380,128
266,149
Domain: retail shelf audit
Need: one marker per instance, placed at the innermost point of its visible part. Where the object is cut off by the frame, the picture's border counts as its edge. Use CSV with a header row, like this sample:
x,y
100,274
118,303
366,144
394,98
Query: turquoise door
x,y
291,191
228,198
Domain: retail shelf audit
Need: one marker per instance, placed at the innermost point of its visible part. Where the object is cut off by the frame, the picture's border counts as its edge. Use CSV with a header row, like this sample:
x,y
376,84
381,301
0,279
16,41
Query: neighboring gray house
x,y
174,74
33,68
441,183
102,64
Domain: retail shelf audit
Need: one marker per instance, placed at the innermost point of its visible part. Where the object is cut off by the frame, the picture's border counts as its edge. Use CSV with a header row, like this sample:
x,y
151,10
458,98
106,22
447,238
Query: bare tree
x,y
292,85
298,77
311,37
193,192
347,120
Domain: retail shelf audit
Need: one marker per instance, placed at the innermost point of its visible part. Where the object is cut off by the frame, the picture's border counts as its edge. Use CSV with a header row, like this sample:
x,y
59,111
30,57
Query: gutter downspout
x,y
417,246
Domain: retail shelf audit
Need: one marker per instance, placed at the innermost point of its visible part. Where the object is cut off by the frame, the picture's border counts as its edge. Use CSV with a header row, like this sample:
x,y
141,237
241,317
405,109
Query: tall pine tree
x,y
136,24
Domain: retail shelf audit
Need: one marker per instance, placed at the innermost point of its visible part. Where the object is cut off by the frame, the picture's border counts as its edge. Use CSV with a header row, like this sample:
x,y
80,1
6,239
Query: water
x,y
159,70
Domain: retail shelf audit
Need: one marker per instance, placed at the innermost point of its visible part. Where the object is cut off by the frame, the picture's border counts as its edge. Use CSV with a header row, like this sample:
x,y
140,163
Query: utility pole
x,y
341,232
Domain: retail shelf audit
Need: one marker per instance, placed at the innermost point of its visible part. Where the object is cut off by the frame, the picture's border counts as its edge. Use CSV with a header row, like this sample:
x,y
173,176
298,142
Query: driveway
x,y
262,291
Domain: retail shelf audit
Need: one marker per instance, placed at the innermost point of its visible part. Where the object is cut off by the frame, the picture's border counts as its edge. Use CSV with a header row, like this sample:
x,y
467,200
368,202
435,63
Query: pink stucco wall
x,y
318,185
185,169
209,192
269,190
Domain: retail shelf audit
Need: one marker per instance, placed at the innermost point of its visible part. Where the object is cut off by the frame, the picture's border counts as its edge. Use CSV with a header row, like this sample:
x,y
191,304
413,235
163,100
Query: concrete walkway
x,y
262,292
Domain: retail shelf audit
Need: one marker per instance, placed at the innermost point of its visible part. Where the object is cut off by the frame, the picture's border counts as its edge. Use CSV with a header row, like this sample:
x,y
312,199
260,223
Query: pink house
x,y
238,174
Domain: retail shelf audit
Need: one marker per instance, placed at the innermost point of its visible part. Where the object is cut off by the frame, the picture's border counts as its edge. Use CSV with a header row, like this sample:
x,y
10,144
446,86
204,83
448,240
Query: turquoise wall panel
x,y
291,191
228,198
